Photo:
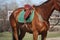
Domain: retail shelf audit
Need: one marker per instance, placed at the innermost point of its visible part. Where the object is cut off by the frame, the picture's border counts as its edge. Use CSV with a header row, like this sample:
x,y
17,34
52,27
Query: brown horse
x,y
39,24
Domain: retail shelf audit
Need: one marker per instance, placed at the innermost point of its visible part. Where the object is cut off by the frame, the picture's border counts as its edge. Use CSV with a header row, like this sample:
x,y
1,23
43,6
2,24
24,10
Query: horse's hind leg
x,y
22,34
15,34
44,35
14,28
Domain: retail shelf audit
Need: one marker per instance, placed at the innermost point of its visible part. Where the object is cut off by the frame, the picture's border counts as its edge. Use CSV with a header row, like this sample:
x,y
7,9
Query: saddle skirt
x,y
21,16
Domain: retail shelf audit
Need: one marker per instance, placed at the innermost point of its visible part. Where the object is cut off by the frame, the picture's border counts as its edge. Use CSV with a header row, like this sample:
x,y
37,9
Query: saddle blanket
x,y
21,16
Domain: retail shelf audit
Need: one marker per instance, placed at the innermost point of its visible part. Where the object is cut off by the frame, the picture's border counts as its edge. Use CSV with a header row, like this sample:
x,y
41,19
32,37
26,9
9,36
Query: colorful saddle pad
x,y
21,17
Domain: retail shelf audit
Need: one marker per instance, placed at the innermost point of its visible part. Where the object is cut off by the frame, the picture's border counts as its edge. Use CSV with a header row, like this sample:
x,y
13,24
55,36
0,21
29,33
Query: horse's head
x,y
56,4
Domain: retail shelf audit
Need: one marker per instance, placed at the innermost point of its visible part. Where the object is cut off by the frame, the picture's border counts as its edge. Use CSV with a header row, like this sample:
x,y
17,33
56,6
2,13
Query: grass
x,y
53,34
5,36
8,35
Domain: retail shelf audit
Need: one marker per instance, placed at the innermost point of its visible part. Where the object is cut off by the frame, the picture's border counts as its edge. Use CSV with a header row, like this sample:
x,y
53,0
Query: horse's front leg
x,y
44,36
34,29
15,34
35,35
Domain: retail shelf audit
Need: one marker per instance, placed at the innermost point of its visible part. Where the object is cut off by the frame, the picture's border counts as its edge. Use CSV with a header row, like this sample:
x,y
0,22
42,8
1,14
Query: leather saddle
x,y
27,9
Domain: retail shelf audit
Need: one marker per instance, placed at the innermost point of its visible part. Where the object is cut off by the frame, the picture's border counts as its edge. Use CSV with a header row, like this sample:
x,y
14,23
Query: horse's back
x,y
15,13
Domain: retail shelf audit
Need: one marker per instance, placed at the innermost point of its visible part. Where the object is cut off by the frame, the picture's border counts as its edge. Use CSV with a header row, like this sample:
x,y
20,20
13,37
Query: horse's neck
x,y
46,10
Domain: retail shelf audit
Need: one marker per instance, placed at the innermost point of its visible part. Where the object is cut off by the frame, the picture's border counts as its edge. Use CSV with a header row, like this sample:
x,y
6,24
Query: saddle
x,y
27,9
26,15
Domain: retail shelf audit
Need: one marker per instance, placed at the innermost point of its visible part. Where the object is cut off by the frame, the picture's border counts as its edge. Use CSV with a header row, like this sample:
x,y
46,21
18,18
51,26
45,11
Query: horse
x,y
38,26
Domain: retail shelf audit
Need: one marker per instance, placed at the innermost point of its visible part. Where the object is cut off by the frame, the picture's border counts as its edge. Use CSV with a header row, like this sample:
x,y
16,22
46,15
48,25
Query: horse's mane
x,y
44,4
44,8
